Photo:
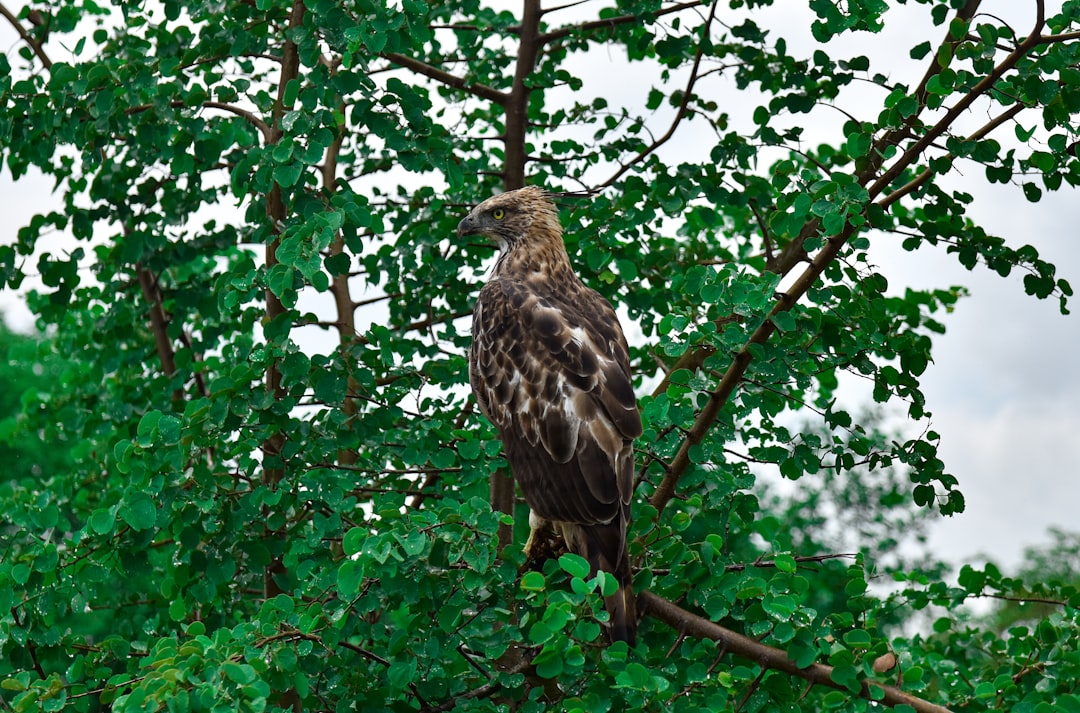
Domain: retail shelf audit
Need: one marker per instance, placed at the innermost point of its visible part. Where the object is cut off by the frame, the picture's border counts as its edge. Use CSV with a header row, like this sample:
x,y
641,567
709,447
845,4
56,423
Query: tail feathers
x,y
604,546
622,606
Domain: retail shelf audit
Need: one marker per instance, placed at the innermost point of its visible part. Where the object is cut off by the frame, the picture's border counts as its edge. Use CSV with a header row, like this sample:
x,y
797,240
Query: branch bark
x,y
339,289
159,323
277,212
34,45
767,657
517,103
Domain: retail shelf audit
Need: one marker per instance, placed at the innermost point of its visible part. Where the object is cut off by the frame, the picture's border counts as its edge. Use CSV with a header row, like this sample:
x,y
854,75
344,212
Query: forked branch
x,y
876,184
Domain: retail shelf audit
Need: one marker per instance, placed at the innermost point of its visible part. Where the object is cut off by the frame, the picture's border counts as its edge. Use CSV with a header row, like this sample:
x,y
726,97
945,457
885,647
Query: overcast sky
x,y
1004,387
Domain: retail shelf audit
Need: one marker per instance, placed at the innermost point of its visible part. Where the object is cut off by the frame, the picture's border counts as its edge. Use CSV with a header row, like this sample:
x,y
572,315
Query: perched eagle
x,y
549,367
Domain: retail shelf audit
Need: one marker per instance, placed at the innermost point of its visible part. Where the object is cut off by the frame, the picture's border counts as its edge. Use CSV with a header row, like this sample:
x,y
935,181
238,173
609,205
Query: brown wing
x,y
552,373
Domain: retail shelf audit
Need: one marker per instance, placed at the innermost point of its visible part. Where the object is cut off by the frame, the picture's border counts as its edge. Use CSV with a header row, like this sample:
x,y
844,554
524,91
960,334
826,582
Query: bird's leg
x,y
536,525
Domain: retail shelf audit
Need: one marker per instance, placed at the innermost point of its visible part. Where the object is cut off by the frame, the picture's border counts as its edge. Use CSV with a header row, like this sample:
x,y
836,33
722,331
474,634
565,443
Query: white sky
x,y
1004,388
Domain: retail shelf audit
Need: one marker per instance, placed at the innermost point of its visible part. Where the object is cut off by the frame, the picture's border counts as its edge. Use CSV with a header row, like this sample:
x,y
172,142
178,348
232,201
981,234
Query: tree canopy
x,y
280,495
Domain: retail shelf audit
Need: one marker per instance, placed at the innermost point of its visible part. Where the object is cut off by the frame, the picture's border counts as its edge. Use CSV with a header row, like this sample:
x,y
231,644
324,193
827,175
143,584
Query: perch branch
x,y
687,623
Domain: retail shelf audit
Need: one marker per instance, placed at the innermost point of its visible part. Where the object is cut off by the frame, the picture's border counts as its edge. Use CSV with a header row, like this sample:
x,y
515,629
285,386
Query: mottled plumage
x,y
549,367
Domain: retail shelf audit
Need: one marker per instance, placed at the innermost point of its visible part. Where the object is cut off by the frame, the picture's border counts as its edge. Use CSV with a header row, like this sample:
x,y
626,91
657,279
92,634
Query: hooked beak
x,y
467,226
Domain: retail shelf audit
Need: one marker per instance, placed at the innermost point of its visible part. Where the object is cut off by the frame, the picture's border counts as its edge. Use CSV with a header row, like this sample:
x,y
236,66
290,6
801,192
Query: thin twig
x,y
680,113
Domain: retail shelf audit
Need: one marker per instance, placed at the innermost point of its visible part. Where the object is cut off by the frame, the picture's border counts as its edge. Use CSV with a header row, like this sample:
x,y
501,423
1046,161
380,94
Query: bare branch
x,y
1055,39
680,114
611,22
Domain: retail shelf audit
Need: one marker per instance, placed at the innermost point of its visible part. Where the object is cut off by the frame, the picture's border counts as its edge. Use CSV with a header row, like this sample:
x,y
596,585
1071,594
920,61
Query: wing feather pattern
x,y
556,373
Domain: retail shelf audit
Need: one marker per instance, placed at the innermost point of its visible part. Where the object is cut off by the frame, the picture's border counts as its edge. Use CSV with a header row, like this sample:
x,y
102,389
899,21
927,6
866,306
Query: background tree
x,y
282,497
28,454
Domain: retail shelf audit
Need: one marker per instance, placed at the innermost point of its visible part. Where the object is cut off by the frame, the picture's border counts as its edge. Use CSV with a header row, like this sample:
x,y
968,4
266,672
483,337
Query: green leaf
x,y
784,321
574,565
288,174
148,426
350,575
168,429
532,582
548,663
103,521
138,510
402,673
845,675
354,540
238,673
20,573
858,638
920,50
785,563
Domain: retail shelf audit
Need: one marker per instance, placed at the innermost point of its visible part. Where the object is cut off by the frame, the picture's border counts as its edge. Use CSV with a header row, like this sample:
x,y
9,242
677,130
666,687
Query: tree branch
x,y
928,173
517,104
680,114
159,323
984,85
767,657
609,23
25,36
741,361
277,213
450,80
250,117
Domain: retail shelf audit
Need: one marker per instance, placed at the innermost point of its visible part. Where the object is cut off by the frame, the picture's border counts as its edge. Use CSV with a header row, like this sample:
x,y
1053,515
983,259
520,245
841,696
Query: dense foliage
x,y
281,495
26,378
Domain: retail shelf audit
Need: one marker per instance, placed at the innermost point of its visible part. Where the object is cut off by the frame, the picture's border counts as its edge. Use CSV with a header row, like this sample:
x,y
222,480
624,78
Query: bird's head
x,y
509,217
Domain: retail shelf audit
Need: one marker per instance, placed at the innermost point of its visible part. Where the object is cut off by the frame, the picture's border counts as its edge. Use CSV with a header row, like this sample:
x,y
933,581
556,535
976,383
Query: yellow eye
x,y
498,214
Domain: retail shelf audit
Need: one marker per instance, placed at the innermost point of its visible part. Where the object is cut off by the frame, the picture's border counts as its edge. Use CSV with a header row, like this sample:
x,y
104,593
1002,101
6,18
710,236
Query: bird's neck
x,y
534,259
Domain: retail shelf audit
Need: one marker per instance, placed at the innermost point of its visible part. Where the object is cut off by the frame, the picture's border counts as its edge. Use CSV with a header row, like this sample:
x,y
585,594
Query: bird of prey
x,y
549,366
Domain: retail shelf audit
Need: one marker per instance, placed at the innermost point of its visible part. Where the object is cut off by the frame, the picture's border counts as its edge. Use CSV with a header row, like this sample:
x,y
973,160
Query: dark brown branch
x,y
802,559
985,84
277,213
517,104
483,691
739,363
365,653
925,176
159,323
450,80
38,50
876,157
424,323
1024,600
250,117
1063,37
767,657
